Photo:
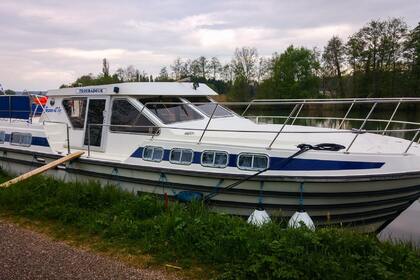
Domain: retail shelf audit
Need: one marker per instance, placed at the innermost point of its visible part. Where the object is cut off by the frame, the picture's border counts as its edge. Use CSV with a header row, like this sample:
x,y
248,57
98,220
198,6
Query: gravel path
x,y
28,255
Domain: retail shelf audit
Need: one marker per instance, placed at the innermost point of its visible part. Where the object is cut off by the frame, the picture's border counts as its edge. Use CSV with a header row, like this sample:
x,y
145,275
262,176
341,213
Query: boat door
x,y
96,116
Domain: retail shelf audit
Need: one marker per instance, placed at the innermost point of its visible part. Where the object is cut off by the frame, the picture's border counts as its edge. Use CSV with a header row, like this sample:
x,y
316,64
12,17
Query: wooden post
x,y
41,169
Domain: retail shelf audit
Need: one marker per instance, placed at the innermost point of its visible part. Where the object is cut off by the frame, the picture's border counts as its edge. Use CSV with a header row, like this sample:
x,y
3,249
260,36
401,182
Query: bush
x,y
190,233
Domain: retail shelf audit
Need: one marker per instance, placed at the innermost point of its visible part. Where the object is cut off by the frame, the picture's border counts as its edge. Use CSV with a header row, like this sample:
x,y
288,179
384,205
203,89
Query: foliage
x,y
381,59
190,234
294,75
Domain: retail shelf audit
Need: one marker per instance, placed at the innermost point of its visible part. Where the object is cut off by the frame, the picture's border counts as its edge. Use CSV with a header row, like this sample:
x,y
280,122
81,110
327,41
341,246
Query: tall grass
x,y
190,233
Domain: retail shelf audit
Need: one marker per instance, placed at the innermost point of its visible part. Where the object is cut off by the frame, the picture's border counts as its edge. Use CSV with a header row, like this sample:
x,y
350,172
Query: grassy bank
x,y
189,234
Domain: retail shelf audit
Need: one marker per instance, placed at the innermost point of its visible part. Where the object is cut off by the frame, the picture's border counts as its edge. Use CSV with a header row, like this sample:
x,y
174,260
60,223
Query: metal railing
x,y
67,133
293,115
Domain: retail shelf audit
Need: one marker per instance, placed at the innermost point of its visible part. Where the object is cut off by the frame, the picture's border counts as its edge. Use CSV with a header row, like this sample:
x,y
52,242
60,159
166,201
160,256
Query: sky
x,y
47,43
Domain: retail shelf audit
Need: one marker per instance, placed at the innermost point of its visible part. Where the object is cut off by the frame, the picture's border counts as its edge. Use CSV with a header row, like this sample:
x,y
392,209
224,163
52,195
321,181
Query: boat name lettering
x,y
53,110
91,90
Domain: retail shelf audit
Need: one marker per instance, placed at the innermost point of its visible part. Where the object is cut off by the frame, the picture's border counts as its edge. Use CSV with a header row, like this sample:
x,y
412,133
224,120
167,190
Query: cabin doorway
x,y
96,116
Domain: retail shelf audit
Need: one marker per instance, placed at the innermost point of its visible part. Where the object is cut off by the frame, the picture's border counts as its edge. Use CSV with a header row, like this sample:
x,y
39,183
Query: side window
x,y
76,111
181,156
21,139
151,153
126,118
214,159
252,162
2,137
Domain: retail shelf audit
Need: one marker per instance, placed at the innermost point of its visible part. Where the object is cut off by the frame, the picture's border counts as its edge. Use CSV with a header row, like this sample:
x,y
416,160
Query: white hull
x,y
369,203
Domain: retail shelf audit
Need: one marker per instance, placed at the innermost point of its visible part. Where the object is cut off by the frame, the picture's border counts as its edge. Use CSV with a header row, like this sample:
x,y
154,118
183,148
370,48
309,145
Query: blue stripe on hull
x,y
276,163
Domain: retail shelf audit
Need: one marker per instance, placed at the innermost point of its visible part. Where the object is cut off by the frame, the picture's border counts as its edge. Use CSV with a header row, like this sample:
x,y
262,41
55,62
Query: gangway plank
x,y
42,169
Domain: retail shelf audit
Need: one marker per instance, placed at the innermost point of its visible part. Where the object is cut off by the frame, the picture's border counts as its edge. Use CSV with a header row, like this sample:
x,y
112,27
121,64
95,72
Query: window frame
x,y
22,134
214,158
143,111
153,147
2,137
180,158
67,115
201,111
252,161
181,102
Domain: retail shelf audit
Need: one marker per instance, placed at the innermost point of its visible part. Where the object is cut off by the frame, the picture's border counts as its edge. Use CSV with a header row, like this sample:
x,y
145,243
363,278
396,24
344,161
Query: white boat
x,y
174,139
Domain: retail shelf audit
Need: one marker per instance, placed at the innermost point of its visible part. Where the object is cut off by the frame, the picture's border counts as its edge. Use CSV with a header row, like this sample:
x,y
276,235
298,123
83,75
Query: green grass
x,y
190,234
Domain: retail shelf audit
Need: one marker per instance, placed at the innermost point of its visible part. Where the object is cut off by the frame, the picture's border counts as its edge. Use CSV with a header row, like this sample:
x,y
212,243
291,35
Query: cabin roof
x,y
140,88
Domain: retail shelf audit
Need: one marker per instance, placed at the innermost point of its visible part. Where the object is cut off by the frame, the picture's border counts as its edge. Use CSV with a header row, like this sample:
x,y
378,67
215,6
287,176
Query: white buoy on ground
x,y
300,218
259,217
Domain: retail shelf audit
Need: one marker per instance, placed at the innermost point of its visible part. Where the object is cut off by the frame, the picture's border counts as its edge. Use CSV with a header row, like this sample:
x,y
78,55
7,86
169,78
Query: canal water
x,y
406,227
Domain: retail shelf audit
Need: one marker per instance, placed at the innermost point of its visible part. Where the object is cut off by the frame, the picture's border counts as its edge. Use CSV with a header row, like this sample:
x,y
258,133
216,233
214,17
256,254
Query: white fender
x,y
259,217
301,218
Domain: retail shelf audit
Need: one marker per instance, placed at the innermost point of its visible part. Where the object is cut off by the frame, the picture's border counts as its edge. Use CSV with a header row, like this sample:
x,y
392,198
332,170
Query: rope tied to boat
x,y
302,149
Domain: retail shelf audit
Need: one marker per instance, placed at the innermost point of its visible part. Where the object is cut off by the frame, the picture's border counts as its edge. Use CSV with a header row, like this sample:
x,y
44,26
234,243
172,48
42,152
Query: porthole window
x,y
252,162
214,159
21,139
181,156
151,153
2,137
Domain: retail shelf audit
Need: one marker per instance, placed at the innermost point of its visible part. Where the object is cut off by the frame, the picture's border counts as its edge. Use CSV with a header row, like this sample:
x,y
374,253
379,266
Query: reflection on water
x,y
405,227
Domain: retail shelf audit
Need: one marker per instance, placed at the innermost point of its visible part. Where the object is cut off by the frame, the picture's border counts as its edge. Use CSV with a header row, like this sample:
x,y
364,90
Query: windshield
x,y
170,113
206,106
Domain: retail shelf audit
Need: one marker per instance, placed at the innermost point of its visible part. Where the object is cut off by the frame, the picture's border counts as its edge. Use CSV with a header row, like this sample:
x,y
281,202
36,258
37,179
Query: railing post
x,y
246,109
347,113
207,125
362,126
283,126
68,138
412,141
392,117
297,114
88,139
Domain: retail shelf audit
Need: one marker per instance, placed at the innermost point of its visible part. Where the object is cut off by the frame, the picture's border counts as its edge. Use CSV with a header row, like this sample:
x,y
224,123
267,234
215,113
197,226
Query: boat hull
x,y
367,203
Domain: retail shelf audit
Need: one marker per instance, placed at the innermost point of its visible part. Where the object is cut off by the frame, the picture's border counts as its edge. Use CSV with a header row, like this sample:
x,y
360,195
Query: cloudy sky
x,y
44,44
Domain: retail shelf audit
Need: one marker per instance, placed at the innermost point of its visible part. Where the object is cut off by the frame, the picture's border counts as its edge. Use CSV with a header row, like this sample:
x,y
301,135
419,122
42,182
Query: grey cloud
x,y
46,43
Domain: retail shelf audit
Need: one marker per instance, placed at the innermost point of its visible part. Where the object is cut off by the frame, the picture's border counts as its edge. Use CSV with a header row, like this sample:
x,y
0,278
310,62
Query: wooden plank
x,y
41,169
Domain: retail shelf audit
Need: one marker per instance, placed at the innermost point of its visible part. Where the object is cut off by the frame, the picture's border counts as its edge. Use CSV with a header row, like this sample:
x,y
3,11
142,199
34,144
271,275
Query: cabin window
x,y
252,161
21,139
214,159
76,111
170,109
126,118
151,153
2,137
206,106
181,156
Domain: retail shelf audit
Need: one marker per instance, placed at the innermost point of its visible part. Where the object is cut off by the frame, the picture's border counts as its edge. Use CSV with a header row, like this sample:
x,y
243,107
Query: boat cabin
x,y
98,115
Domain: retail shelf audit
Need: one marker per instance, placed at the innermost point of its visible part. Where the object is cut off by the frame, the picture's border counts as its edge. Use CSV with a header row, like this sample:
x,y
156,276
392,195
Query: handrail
x,y
298,105
283,126
67,132
362,126
335,118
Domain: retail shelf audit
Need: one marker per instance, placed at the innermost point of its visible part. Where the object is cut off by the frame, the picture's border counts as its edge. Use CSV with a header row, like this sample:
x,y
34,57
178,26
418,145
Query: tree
x,y
163,75
227,73
334,58
203,66
215,67
294,75
412,55
244,63
105,67
9,92
176,67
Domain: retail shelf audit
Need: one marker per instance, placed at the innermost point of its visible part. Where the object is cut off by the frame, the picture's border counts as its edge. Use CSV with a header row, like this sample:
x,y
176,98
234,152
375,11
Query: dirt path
x,y
28,255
